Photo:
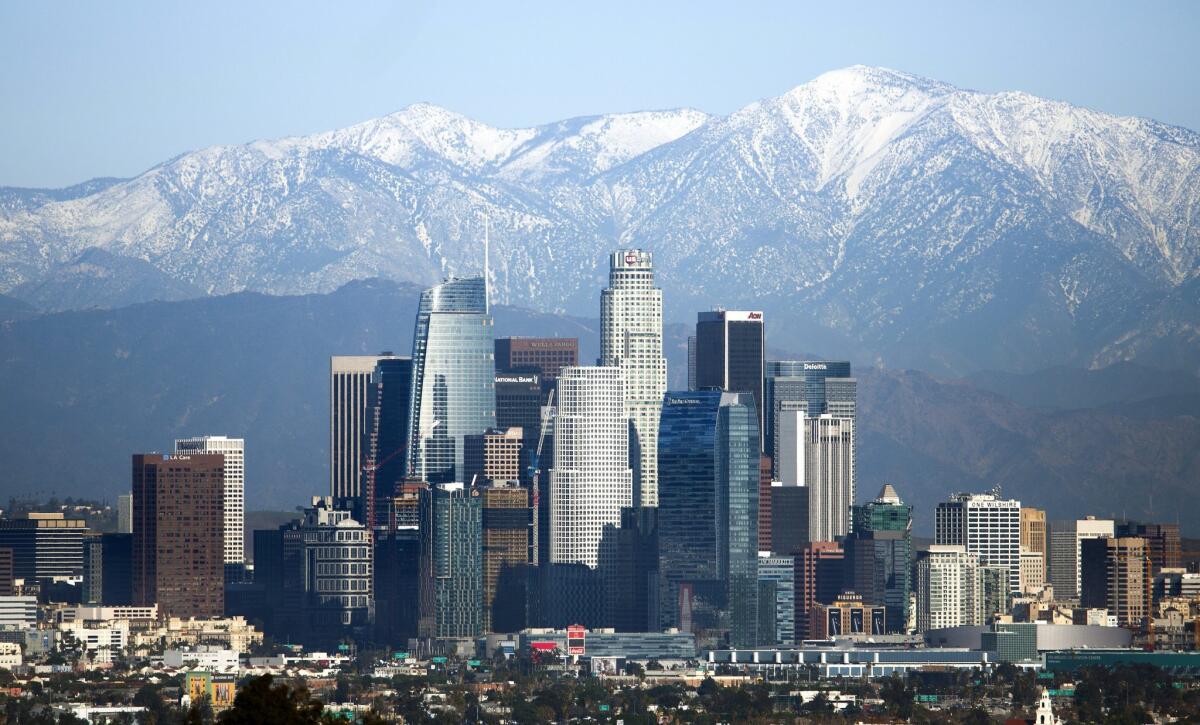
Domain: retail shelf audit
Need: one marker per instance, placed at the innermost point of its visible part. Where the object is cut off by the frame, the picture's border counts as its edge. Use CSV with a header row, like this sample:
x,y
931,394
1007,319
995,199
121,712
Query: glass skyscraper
x,y
817,387
453,389
879,555
708,511
452,543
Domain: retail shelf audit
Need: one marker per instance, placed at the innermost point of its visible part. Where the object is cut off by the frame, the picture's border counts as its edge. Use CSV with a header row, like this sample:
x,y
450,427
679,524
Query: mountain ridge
x,y
901,219
95,386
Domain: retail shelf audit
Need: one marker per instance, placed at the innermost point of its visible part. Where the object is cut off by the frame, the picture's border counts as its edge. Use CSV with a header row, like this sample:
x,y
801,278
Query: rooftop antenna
x,y
486,276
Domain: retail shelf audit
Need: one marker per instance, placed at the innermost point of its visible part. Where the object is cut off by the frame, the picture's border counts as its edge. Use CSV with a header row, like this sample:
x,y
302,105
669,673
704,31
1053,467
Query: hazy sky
x,y
111,88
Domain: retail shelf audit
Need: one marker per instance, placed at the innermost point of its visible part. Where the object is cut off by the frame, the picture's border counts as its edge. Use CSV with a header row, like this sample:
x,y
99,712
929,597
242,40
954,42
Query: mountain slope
x,y
890,217
95,386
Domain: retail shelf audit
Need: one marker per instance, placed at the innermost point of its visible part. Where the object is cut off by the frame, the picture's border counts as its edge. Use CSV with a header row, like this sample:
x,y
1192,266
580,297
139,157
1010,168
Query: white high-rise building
x,y
349,377
234,450
631,332
949,589
819,452
986,525
591,480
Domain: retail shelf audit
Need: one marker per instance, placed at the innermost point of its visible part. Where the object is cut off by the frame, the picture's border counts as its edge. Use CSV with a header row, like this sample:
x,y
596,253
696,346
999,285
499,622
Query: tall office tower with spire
x,y
349,381
454,372
631,338
879,555
591,480
234,450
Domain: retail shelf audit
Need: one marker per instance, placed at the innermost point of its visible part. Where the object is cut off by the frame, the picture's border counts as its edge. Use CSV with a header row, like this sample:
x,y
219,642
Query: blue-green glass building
x,y
454,371
708,469
879,555
452,548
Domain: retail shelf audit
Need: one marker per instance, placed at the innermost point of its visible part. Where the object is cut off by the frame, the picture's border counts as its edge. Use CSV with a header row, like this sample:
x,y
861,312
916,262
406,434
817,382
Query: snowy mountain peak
x,y
888,216
858,80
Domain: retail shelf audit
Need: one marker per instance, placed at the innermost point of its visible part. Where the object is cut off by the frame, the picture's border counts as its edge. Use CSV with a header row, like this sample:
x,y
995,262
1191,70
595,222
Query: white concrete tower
x,y
631,338
591,480
234,450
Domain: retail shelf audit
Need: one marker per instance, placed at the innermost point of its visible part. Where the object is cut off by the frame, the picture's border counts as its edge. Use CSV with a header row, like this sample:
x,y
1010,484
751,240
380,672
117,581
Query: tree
x,y
898,697
260,702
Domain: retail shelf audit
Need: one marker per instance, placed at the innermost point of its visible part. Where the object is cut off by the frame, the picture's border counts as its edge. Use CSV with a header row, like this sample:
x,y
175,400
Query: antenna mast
x,y
487,303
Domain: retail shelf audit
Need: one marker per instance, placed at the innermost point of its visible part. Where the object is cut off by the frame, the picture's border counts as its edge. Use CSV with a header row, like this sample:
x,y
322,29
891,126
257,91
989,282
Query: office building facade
x,y
1117,575
730,353
453,393
1033,530
108,569
507,524
544,356
780,572
44,546
631,331
234,451
949,588
987,525
349,381
179,533
817,387
879,555
591,480
328,574
1163,543
631,582
125,513
820,454
493,456
385,443
708,505
452,546
819,579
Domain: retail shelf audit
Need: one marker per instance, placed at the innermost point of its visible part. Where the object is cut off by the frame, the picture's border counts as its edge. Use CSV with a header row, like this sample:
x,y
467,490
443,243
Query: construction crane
x,y
535,473
368,490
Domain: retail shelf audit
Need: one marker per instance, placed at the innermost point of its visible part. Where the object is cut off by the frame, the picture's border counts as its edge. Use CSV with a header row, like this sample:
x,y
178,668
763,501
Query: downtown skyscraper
x,y
591,480
631,339
234,450
708,513
729,352
349,384
453,388
818,453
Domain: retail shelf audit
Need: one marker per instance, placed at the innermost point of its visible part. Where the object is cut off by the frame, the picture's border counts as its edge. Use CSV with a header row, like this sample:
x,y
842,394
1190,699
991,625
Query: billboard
x,y
575,639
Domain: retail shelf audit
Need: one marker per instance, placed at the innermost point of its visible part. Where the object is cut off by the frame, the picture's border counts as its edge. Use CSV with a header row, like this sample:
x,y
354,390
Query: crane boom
x,y
535,471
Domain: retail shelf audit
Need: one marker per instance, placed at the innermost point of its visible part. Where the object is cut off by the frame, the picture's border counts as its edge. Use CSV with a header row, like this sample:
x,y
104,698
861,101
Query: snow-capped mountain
x,y
871,213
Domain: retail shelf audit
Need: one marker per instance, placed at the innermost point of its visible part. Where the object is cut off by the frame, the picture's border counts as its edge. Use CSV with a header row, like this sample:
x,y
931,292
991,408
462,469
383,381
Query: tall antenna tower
x,y
487,282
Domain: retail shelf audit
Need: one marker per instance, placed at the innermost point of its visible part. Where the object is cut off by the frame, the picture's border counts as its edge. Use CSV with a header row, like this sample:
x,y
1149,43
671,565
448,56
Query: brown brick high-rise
x,y
178,533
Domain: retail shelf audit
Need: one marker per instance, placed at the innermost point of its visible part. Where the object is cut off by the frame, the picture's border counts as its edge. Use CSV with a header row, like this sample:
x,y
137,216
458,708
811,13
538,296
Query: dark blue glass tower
x,y
708,513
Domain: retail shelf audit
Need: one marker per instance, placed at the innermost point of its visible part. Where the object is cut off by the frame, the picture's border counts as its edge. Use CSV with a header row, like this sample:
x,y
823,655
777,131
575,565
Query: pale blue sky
x,y
111,88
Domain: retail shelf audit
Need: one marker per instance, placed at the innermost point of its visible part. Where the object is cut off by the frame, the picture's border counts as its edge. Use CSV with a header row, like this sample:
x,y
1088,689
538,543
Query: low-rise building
x,y
213,659
671,644
10,655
